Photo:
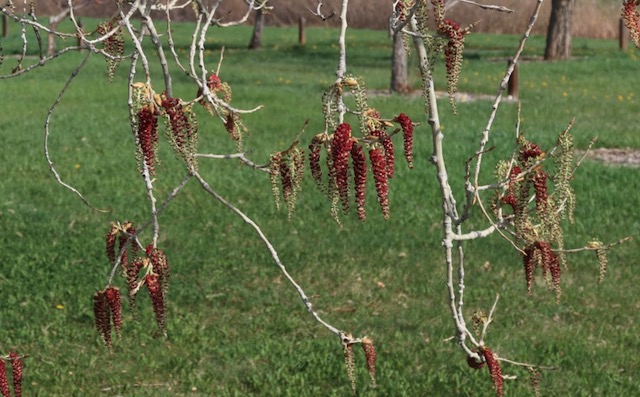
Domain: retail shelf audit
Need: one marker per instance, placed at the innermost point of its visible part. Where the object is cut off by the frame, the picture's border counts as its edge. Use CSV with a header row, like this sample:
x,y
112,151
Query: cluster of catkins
x,y
232,122
342,146
349,359
150,270
528,179
631,18
112,45
17,365
181,127
453,48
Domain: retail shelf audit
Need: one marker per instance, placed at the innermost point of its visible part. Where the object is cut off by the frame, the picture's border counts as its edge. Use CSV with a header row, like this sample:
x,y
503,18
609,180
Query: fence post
x,y
302,39
622,35
512,85
5,26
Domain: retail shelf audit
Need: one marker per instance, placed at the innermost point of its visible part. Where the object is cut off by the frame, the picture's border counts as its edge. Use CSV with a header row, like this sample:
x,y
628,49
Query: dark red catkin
x,y
17,367
4,381
315,149
407,134
340,148
160,266
178,122
379,167
115,307
148,136
389,154
494,370
540,188
550,263
529,261
102,316
157,299
132,271
370,357
360,179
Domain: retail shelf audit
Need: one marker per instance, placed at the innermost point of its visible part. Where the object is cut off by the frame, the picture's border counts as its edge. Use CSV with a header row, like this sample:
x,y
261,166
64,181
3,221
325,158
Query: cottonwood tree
x,y
559,30
524,203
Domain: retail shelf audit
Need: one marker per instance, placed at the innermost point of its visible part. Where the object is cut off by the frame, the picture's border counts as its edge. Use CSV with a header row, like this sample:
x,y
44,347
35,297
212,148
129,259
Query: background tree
x,y
258,28
559,31
399,82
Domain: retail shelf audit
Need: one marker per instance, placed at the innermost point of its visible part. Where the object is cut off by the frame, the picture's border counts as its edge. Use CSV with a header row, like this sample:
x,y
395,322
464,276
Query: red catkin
x,y
157,299
131,273
494,370
407,135
4,381
379,165
360,179
389,152
540,188
178,122
529,261
550,263
230,126
631,18
340,148
160,266
315,149
529,151
115,307
214,83
370,357
148,136
122,243
17,367
102,317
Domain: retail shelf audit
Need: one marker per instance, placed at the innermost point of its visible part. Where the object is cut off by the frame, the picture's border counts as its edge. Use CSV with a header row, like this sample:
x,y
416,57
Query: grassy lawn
x,y
236,327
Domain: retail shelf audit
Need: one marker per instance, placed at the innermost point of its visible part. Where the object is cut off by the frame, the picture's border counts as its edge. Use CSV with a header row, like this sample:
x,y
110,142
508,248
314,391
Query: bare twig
x,y
47,135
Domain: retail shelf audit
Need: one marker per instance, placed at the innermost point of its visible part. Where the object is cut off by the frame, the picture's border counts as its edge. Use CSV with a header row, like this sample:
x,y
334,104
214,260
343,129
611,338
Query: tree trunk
x,y
399,65
5,26
256,39
559,31
54,20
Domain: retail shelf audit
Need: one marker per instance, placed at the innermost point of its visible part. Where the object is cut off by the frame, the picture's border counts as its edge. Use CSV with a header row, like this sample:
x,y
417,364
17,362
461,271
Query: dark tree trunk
x,y
258,26
5,26
399,65
559,31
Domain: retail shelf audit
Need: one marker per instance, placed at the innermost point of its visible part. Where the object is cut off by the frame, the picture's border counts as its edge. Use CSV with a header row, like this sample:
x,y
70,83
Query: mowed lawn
x,y
235,325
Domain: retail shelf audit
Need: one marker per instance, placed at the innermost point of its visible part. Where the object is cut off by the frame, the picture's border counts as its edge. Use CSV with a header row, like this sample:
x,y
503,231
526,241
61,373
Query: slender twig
x,y
503,86
487,6
274,254
47,134
590,248
240,156
485,326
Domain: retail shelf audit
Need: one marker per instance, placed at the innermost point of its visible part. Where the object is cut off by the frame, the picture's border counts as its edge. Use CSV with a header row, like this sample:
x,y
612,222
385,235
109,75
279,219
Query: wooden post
x,y
302,39
512,85
5,26
622,35
79,39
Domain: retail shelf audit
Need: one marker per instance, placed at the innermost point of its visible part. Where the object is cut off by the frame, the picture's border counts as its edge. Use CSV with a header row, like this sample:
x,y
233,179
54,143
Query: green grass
x,y
235,327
